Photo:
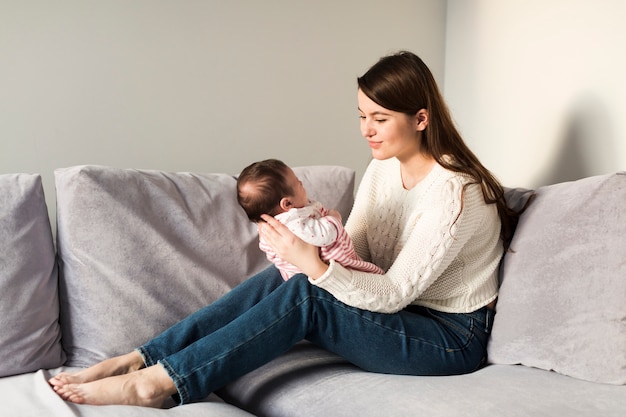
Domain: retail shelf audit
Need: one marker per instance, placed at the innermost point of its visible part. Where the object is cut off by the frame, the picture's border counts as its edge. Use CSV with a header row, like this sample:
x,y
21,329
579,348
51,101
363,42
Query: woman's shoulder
x,y
456,186
445,185
454,177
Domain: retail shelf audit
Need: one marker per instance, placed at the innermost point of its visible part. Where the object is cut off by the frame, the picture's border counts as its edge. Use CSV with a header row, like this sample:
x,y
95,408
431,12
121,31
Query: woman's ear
x,y
421,120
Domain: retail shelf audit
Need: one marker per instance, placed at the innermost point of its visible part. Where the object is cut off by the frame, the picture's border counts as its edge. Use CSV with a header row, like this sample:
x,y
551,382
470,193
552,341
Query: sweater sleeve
x,y
434,242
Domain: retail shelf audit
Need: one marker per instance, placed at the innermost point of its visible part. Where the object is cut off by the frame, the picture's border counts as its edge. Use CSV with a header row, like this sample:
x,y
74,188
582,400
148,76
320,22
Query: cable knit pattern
x,y
438,243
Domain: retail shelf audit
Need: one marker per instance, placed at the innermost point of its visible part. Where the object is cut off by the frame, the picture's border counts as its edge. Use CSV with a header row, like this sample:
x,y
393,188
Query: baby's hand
x,y
335,214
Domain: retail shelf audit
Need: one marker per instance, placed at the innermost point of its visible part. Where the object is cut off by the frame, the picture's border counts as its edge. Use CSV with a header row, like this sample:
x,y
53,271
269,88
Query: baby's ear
x,y
285,204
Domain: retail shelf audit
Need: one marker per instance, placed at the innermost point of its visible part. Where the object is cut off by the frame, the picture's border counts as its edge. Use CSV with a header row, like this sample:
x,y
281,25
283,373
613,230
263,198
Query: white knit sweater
x,y
440,246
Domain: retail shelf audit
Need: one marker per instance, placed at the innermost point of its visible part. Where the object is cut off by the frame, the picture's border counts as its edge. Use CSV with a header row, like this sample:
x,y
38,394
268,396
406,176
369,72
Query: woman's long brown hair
x,y
402,82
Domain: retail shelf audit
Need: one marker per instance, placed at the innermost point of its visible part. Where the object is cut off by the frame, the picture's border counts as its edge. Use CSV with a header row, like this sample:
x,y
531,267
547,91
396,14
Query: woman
x,y
427,212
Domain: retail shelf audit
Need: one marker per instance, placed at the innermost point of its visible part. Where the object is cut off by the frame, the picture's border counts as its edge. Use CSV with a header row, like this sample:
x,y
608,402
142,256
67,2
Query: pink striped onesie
x,y
314,225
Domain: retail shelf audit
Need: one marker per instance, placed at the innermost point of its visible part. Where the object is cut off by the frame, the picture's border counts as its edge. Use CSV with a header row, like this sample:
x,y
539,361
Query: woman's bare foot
x,y
148,387
118,365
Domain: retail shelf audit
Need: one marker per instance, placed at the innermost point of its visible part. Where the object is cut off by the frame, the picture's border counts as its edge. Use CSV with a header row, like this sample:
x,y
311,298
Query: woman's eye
x,y
376,120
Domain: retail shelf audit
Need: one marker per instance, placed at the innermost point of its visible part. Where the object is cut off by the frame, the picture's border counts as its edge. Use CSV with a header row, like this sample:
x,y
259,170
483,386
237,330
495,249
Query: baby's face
x,y
299,198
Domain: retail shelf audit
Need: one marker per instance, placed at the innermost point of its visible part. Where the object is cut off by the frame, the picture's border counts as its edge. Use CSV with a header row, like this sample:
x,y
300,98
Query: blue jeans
x,y
265,316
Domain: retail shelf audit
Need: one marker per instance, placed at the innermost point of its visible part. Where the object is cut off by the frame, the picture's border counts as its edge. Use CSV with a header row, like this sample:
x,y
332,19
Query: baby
x,y
271,187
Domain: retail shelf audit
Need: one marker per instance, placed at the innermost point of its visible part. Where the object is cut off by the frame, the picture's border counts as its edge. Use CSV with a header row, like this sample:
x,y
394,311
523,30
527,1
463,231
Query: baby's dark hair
x,y
260,187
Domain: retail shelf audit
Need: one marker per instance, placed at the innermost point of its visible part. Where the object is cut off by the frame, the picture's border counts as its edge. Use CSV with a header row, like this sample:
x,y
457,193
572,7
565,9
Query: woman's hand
x,y
291,248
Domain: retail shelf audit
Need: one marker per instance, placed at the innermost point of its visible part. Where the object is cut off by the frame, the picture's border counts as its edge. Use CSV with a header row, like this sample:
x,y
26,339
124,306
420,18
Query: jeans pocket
x,y
459,327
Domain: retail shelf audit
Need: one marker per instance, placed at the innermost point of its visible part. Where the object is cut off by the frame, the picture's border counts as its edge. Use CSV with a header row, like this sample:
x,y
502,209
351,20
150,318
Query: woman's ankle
x,y
131,362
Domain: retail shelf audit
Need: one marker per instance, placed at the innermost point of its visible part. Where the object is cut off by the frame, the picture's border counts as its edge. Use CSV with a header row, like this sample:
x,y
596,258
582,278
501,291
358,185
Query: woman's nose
x,y
366,129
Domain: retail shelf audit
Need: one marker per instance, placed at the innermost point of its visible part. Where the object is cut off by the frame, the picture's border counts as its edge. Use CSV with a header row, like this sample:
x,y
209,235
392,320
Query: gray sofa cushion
x,y
29,312
518,198
309,381
140,250
562,300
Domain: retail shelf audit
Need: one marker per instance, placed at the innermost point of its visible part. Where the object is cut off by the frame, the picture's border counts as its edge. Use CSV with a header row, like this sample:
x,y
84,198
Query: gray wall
x,y
195,85
536,86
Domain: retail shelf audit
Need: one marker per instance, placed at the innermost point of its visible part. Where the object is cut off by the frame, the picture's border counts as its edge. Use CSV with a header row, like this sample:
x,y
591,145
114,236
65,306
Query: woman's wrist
x,y
316,269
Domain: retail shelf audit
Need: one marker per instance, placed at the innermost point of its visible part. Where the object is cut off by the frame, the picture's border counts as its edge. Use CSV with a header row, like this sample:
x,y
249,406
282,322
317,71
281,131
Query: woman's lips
x,y
374,145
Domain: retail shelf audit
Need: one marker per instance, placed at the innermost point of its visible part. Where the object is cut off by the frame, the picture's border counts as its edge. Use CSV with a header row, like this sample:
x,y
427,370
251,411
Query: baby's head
x,y
269,187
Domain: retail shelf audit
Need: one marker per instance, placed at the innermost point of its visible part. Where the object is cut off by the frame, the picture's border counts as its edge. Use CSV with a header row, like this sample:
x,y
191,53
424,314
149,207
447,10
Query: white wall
x,y
204,86
538,87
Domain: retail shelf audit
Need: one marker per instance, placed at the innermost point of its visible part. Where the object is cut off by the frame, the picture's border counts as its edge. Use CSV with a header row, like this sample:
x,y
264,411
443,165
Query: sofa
x,y
134,251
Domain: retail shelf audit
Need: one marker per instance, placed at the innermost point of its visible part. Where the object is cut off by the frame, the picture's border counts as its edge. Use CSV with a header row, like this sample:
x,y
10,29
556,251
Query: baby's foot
x,y
118,365
148,387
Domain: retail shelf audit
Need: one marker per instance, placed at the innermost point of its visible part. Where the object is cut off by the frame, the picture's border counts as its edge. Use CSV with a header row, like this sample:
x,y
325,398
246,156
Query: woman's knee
x,y
298,282
299,288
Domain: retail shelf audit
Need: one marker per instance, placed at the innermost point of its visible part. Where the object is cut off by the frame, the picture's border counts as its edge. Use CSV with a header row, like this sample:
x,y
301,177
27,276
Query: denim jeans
x,y
265,316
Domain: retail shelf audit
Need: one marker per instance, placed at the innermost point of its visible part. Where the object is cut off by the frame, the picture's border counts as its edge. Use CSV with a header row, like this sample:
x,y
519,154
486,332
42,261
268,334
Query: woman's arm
x,y
435,241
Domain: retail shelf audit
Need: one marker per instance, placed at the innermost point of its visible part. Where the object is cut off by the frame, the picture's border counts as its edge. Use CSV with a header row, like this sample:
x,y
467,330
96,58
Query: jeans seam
x,y
457,329
178,382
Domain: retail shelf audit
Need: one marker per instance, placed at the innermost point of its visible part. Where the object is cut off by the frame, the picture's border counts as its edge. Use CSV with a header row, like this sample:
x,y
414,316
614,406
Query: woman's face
x,y
389,133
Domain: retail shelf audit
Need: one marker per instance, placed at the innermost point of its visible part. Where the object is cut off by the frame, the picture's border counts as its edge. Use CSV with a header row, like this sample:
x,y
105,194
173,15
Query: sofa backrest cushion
x,y
139,250
562,301
29,311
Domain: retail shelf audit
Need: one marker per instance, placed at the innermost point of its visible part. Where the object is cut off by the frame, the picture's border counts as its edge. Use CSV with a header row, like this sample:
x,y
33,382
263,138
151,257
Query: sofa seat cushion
x,y
309,381
140,250
30,395
29,312
562,299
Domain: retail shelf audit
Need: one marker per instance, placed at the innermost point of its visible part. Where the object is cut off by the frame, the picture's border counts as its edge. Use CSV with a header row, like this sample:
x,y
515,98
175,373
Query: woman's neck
x,y
415,169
